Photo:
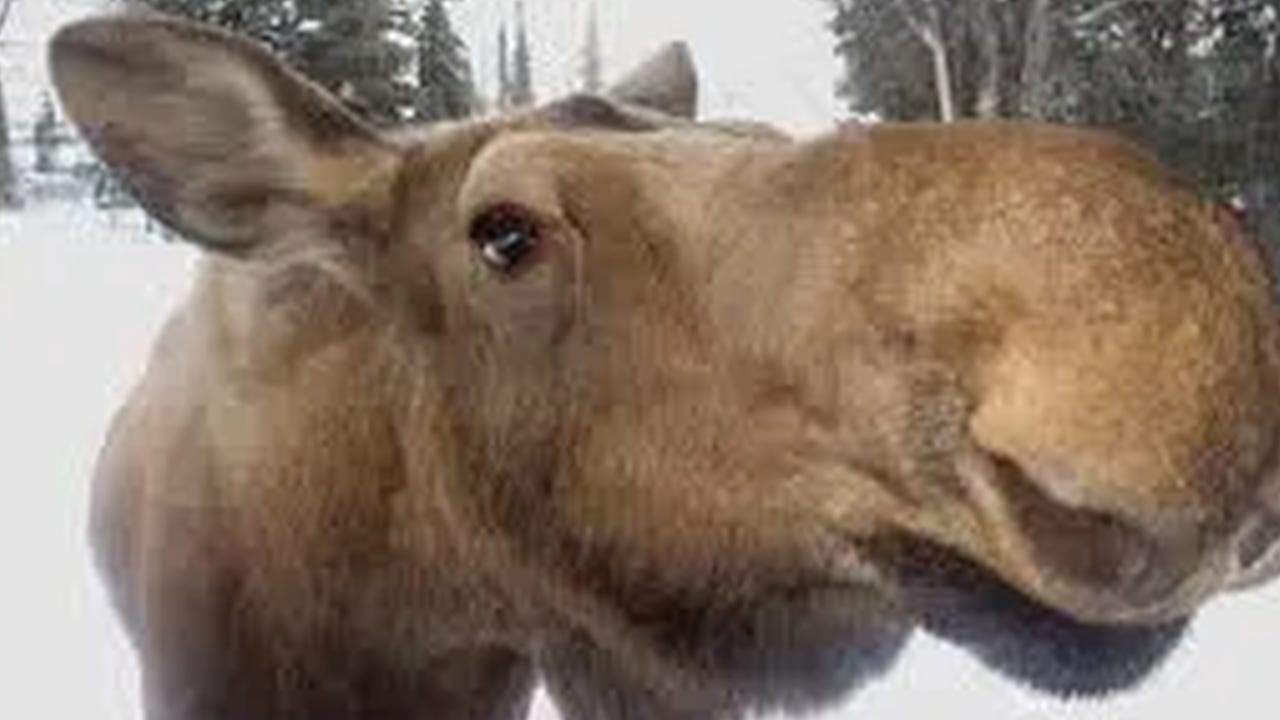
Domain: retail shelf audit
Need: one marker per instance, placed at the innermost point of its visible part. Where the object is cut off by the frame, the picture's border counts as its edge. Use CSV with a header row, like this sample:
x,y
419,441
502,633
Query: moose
x,y
682,419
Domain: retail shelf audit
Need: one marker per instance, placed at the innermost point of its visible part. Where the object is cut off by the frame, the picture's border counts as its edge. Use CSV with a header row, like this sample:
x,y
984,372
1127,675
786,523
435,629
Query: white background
x,y
81,297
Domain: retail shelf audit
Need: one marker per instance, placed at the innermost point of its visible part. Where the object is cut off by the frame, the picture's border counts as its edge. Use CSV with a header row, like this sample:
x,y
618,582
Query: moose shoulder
x,y
688,419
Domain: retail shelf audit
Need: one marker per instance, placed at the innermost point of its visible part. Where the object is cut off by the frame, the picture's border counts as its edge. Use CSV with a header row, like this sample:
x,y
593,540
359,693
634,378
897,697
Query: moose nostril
x,y
1086,546
1258,541
1256,547
1257,551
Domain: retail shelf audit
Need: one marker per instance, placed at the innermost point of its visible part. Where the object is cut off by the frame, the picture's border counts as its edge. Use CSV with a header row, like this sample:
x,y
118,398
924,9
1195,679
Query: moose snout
x,y
1111,562
1133,476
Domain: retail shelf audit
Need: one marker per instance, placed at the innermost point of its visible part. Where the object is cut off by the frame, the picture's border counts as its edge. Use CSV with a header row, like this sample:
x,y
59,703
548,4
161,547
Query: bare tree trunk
x,y
942,78
1035,61
987,105
927,25
1099,11
8,179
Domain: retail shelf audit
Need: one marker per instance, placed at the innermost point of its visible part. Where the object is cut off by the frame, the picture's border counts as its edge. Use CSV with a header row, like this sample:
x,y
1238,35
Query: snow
x,y
77,312
82,295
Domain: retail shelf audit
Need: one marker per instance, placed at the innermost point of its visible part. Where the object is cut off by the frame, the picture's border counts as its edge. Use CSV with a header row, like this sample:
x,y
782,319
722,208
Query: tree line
x,y
394,62
1196,80
8,177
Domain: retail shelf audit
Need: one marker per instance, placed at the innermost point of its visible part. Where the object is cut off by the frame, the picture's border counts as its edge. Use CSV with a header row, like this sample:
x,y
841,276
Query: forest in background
x,y
1198,81
394,62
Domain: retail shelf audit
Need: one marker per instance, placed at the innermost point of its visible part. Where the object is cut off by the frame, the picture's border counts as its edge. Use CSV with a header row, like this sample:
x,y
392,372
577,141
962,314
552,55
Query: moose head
x,y
686,418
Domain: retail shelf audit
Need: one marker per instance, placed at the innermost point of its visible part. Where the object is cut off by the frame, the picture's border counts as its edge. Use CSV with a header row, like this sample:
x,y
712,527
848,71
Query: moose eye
x,y
505,238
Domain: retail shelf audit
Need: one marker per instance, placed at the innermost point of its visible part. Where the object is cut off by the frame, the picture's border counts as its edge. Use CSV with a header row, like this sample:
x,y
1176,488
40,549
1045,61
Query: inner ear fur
x,y
209,131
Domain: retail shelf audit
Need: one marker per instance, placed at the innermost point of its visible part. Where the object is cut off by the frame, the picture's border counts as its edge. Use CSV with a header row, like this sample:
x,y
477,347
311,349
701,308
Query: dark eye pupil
x,y
504,239
507,250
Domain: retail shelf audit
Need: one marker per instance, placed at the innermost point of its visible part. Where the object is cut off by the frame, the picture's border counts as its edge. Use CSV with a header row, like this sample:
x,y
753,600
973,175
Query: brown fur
x,y
757,409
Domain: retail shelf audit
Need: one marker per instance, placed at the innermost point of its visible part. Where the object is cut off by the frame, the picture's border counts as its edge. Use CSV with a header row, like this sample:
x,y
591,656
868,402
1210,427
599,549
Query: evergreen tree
x,y
444,89
888,48
8,177
592,64
269,21
521,62
1196,80
358,50
45,136
504,69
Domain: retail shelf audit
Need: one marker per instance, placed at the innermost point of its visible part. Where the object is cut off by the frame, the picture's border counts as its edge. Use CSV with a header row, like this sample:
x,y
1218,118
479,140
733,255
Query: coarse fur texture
x,y
748,412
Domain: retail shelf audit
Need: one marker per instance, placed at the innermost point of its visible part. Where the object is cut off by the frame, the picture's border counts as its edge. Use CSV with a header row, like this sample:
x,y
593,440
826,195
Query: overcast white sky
x,y
767,60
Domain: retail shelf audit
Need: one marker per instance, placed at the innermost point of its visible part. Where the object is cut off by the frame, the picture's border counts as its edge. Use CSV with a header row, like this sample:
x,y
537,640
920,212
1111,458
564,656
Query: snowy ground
x,y
81,296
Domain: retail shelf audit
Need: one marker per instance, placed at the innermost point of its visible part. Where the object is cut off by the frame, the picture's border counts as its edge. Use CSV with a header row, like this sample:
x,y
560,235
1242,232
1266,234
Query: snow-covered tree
x,y
1196,80
444,86
45,136
504,69
269,21
8,177
592,62
521,63
361,51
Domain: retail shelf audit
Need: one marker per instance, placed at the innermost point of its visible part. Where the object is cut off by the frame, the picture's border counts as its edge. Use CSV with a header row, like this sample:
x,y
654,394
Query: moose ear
x,y
667,82
210,132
